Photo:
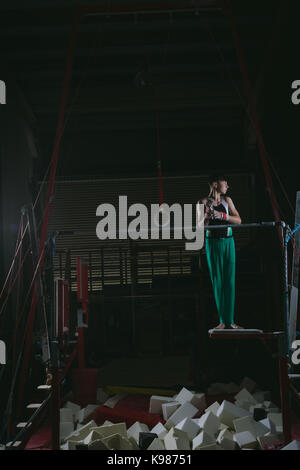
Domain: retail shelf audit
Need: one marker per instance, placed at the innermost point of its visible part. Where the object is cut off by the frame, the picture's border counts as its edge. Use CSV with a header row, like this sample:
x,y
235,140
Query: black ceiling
x,y
143,85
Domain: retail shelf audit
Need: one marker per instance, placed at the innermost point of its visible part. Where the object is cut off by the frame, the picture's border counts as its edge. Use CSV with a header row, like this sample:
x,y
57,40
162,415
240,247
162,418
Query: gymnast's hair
x,y
214,178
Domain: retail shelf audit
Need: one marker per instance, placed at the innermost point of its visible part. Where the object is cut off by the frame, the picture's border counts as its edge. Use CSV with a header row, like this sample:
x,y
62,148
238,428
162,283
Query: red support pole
x,y
31,316
82,299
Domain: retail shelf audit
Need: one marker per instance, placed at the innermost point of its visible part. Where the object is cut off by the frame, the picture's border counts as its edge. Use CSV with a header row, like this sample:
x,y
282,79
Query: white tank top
x,y
225,204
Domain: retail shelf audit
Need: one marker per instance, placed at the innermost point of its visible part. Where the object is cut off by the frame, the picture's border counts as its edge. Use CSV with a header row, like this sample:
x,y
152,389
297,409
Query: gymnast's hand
x,y
209,212
217,215
220,215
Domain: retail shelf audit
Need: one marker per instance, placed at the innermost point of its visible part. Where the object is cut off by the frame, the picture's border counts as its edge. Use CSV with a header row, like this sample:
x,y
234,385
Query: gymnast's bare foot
x,y
234,326
221,326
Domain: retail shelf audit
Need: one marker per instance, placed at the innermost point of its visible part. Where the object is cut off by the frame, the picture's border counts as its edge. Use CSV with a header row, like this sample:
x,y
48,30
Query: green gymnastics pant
x,y
220,253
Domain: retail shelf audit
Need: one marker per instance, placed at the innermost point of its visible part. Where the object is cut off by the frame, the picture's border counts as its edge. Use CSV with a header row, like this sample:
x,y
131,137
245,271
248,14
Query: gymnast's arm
x,y
234,216
200,219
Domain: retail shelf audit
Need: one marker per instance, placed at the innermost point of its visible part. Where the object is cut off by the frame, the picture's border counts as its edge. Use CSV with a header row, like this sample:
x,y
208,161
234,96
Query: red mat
x,y
41,439
135,408
129,410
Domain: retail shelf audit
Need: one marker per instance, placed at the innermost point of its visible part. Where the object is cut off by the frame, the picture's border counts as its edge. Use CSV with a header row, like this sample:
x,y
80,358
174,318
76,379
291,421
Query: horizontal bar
x,y
171,10
205,228
257,225
146,296
149,7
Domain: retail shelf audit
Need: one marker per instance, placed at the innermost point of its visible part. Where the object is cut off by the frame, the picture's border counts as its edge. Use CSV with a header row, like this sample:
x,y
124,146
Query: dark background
x,y
143,87
149,86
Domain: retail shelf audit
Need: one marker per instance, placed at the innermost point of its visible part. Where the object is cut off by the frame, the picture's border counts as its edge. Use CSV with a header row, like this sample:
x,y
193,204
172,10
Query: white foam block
x,y
160,430
294,445
156,401
157,444
187,410
228,412
92,436
117,442
82,432
202,439
86,412
65,429
71,445
111,429
111,402
189,427
269,405
98,445
133,443
275,420
265,422
176,440
244,404
74,407
209,423
245,396
66,414
260,429
245,440
246,423
169,408
199,401
225,440
184,395
223,426
101,395
210,447
135,429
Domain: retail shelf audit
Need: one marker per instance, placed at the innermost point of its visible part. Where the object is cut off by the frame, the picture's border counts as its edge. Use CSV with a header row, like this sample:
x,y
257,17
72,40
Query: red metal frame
x,y
62,308
62,322
82,298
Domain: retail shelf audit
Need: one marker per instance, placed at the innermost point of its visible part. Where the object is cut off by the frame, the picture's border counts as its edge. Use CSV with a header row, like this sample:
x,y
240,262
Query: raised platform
x,y
232,330
245,333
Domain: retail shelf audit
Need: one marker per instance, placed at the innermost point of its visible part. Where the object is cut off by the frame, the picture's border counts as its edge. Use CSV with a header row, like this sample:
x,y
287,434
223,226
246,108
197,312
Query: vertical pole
x,y
121,266
284,347
81,361
285,289
81,293
55,405
91,271
133,275
284,394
